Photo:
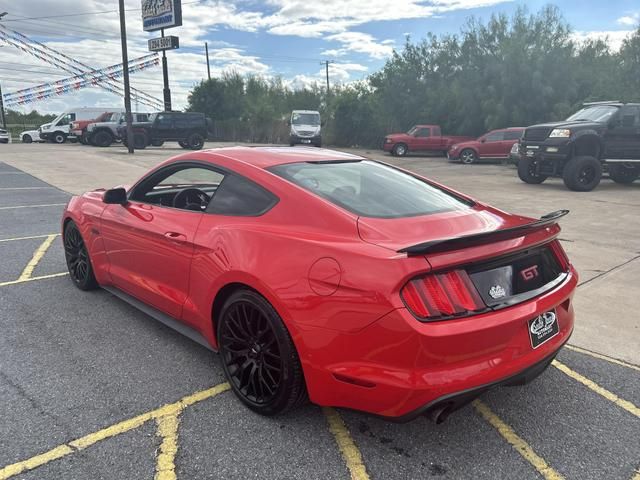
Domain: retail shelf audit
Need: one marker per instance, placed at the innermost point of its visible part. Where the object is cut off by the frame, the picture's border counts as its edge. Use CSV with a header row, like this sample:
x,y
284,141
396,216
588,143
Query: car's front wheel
x,y
77,258
258,356
399,150
582,174
59,137
102,138
468,156
621,173
527,171
27,139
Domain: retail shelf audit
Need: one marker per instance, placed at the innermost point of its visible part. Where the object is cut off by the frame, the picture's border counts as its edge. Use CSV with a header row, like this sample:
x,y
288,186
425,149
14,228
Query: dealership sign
x,y
157,14
163,43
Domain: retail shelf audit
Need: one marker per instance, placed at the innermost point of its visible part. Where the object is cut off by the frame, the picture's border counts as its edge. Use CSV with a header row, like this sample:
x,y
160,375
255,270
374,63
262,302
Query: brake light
x,y
442,295
560,255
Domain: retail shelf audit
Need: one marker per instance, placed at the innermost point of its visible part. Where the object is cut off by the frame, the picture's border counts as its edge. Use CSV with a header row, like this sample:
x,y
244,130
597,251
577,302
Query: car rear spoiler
x,y
468,240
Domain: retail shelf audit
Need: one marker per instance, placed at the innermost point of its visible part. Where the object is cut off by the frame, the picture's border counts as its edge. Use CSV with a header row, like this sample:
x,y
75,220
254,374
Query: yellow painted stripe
x,y
165,463
636,475
627,405
33,206
348,448
27,238
33,279
121,427
602,357
37,256
522,447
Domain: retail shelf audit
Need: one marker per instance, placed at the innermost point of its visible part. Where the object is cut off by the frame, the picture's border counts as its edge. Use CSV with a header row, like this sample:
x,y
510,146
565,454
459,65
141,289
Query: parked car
x,y
4,136
104,133
189,129
29,136
602,134
420,138
495,144
305,128
58,130
78,128
323,274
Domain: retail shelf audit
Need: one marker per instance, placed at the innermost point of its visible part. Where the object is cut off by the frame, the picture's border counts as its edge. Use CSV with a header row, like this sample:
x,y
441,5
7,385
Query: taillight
x,y
439,295
560,255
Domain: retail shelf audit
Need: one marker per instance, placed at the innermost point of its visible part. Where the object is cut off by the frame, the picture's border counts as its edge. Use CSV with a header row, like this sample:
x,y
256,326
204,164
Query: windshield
x,y
412,130
305,119
601,113
370,189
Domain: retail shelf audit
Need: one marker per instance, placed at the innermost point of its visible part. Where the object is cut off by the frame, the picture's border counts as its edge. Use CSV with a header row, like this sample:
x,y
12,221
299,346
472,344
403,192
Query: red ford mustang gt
x,y
326,275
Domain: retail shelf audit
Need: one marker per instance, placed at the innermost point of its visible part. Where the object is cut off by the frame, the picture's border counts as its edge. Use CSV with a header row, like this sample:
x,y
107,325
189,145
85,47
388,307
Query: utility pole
x,y
165,74
326,64
125,77
206,49
2,117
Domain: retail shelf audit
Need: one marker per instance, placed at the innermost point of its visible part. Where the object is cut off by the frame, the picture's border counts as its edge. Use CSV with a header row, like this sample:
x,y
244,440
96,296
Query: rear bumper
x,y
400,368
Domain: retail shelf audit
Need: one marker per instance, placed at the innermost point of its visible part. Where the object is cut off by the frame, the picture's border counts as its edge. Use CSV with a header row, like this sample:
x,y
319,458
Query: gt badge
x,y
497,291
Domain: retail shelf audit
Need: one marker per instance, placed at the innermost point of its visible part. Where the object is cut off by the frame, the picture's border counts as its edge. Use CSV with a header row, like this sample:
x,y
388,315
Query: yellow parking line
x,y
636,475
602,357
522,447
33,279
37,256
27,238
121,427
165,463
34,206
612,397
348,448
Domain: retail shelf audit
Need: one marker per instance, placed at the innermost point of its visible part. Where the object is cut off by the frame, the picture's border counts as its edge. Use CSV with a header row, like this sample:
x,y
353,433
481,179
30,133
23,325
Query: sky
x,y
285,38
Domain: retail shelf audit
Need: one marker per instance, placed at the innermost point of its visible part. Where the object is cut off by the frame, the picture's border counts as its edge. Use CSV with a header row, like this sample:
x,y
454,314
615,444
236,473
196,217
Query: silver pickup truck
x,y
103,134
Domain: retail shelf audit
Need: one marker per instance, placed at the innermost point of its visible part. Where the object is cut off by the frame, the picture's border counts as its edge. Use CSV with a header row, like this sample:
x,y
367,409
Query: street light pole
x,y
206,50
125,77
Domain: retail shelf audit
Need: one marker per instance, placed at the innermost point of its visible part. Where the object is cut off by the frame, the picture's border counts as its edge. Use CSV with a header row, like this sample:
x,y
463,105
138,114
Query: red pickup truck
x,y
78,128
420,138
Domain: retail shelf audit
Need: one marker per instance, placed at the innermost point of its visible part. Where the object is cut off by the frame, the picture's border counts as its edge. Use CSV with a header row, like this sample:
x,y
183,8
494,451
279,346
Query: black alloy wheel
x,y
527,171
77,257
258,356
582,174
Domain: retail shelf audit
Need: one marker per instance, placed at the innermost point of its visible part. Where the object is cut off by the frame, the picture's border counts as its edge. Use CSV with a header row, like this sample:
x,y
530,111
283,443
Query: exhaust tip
x,y
439,413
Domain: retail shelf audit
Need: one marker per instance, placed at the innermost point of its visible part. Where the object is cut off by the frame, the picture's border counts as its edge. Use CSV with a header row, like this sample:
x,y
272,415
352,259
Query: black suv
x,y
602,134
189,129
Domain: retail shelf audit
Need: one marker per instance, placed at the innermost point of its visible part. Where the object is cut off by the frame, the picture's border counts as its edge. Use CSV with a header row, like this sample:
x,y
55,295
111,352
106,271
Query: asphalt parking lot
x,y
92,388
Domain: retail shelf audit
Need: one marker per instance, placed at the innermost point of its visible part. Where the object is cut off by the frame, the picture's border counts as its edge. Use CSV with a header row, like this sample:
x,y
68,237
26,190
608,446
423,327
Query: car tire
x,y
258,356
140,141
399,150
58,137
102,138
77,258
157,143
625,174
527,171
195,141
582,174
27,139
183,144
468,156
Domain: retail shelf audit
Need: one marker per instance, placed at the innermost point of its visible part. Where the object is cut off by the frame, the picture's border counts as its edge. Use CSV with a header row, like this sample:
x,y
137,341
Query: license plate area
x,y
306,140
543,328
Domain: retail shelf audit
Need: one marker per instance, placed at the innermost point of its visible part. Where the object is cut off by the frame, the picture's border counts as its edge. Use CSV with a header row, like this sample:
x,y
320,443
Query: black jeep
x,y
602,134
189,129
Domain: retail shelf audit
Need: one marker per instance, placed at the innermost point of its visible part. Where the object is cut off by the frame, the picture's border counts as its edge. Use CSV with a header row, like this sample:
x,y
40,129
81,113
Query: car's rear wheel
x,y
140,141
102,138
582,174
468,156
258,356
157,143
399,150
77,258
183,144
27,139
195,141
527,171
621,173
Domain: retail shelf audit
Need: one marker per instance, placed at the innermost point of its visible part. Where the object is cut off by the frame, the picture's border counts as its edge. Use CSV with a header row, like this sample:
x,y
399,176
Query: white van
x,y
305,128
58,130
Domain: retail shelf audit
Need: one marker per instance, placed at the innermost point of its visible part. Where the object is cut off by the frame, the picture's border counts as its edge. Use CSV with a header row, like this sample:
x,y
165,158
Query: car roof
x,y
265,157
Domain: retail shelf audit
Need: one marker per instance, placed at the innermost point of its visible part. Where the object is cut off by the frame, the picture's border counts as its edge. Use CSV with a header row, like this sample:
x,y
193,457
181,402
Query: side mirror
x,y
483,140
117,196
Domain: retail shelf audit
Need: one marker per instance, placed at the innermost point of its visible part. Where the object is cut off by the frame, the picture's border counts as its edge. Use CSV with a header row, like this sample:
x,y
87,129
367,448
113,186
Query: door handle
x,y
176,237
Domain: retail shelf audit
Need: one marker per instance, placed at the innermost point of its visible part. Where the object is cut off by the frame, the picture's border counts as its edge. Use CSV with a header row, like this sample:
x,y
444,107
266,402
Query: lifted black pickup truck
x,y
602,134
189,129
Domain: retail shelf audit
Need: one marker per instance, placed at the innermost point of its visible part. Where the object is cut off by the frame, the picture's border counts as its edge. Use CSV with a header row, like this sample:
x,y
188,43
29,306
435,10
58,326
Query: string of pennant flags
x,y
82,74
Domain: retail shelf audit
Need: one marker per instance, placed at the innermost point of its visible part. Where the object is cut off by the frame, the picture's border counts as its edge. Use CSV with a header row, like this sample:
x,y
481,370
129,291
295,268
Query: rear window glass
x,y
241,197
370,189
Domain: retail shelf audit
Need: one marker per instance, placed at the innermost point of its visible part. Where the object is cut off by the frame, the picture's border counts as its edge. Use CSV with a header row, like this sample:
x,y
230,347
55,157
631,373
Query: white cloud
x,y
363,43
613,37
630,20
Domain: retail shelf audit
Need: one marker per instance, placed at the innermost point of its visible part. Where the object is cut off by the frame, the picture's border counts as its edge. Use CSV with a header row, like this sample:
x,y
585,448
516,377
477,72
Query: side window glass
x,y
241,197
494,137
629,116
164,121
423,132
512,135
161,188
